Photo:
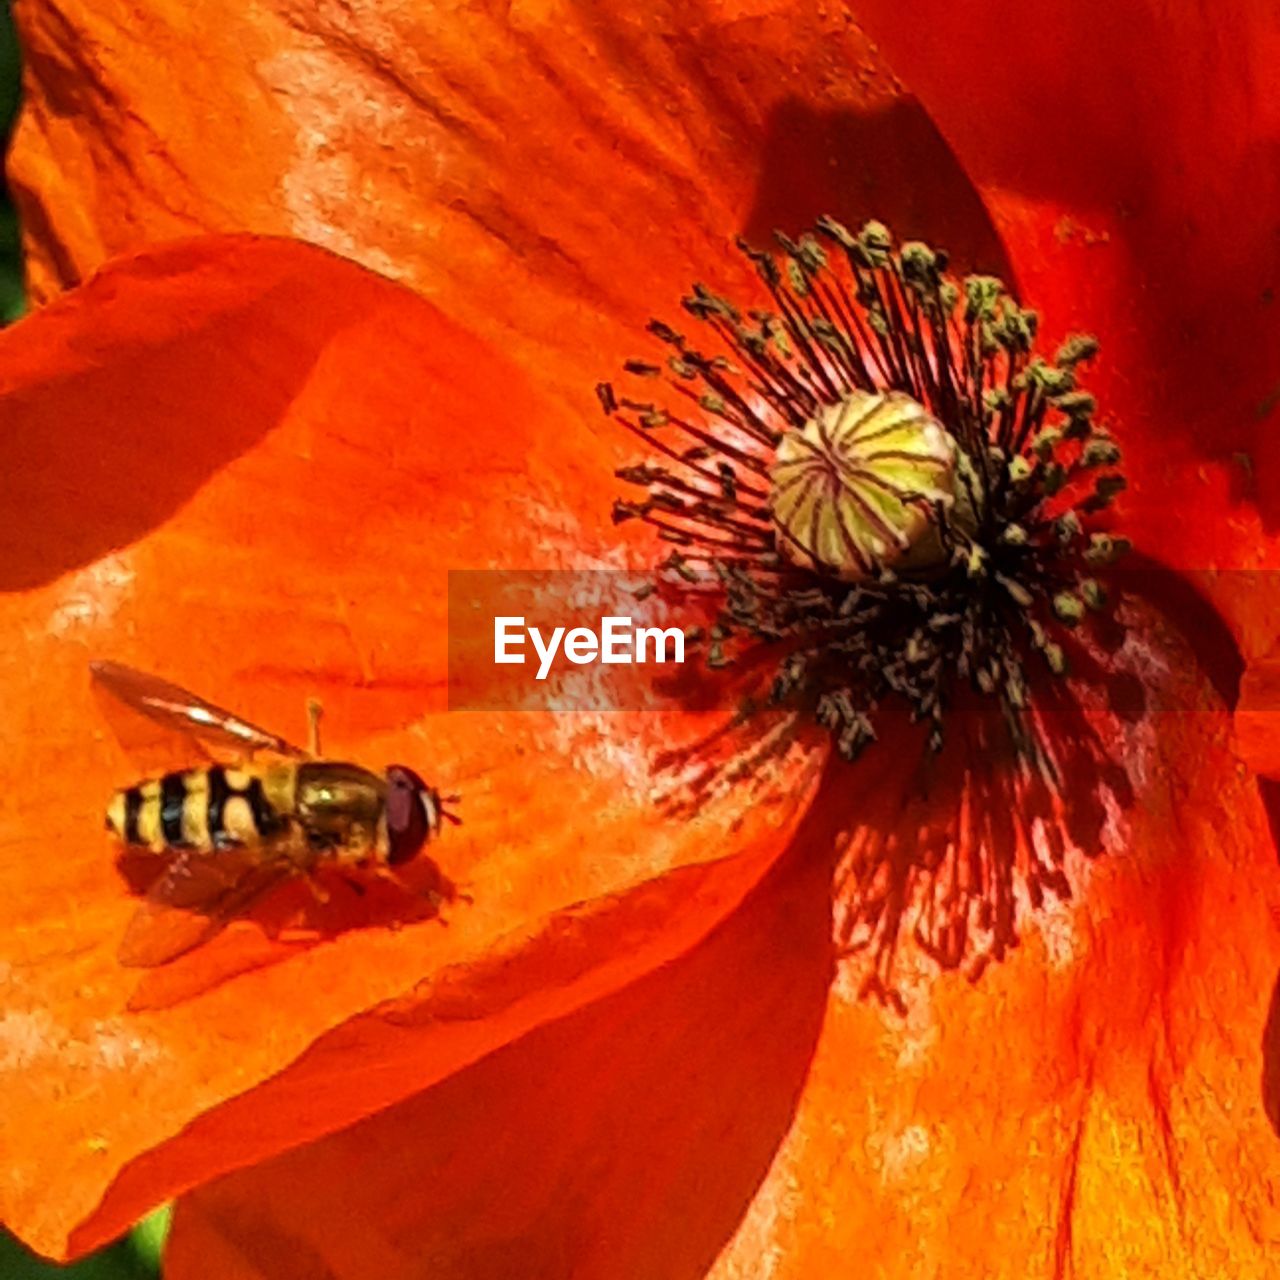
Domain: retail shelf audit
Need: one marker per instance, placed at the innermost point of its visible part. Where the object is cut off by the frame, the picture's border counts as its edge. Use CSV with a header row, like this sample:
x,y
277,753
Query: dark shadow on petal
x,y
892,165
944,853
954,847
1073,108
1209,366
288,919
97,456
1179,599
624,1141
1271,1060
1269,794
941,852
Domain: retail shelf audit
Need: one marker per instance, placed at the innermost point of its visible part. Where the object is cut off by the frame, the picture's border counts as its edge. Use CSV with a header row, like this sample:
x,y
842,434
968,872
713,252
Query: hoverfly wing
x,y
193,900
177,708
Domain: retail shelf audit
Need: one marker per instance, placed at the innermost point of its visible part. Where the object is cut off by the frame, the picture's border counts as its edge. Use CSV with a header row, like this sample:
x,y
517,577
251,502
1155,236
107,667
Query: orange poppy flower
x,y
670,1079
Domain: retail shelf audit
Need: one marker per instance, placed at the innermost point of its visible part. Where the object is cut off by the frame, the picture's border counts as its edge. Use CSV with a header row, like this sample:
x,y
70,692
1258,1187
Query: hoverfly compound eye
x,y
409,813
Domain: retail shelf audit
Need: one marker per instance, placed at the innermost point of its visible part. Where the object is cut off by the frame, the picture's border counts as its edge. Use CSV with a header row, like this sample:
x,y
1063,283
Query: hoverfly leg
x,y
316,889
384,872
314,712
456,893
438,902
354,884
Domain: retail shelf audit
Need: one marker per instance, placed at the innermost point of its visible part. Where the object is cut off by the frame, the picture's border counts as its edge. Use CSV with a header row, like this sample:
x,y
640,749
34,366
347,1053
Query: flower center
x,y
854,489
894,494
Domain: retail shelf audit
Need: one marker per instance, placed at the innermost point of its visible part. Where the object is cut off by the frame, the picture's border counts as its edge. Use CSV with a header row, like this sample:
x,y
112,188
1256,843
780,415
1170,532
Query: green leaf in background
x,y
13,299
148,1237
136,1257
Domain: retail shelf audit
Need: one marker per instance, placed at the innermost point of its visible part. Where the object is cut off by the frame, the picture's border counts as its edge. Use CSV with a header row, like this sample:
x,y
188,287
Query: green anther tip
x,y
1068,608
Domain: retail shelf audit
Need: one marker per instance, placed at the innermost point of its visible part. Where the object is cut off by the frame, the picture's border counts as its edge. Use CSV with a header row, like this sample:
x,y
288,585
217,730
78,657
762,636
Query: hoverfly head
x,y
415,813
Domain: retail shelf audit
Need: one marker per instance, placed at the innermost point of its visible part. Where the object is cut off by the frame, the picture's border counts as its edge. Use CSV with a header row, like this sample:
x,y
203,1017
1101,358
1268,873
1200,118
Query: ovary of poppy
x,y
246,465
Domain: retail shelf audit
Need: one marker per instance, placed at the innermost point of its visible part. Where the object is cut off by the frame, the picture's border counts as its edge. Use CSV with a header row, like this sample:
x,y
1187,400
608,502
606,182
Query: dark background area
x,y
12,297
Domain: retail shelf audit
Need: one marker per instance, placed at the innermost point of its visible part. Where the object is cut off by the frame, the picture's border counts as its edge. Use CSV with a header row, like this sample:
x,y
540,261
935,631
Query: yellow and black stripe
x,y
200,809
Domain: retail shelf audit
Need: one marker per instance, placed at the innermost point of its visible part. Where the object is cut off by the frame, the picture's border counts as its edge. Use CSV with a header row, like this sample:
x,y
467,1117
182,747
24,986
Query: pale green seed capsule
x,y
854,489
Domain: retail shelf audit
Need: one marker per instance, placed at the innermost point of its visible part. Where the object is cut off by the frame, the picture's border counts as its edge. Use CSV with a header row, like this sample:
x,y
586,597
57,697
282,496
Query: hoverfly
x,y
225,835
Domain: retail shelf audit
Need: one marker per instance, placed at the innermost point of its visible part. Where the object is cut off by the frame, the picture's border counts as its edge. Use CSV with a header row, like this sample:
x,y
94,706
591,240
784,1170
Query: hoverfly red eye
x,y
408,813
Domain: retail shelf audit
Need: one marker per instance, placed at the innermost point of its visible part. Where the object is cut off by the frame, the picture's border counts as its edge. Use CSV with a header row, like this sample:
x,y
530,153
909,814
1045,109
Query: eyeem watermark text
x,y
618,641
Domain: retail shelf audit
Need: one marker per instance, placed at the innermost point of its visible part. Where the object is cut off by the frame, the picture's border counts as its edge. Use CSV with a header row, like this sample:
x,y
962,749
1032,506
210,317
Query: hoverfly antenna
x,y
441,801
315,713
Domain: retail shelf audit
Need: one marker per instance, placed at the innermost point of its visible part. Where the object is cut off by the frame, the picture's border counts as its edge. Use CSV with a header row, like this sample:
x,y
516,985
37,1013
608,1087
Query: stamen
x,y
885,483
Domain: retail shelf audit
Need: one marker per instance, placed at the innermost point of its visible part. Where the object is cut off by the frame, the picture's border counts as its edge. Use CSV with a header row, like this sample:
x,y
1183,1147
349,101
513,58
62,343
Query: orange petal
x,y
1257,718
247,465
1132,232
622,1141
1037,119
1101,1103
555,174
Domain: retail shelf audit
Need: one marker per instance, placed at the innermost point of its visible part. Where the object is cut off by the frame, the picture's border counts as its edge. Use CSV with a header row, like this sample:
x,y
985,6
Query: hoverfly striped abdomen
x,y
204,809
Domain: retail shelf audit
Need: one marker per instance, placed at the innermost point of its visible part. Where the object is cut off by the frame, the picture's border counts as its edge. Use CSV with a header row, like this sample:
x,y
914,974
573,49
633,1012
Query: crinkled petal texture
x,y
1102,1103
555,173
247,465
1105,1104
552,173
